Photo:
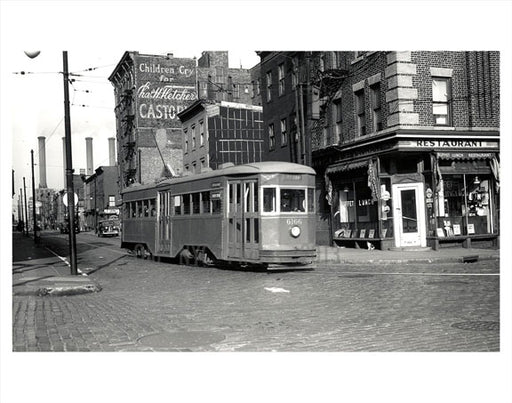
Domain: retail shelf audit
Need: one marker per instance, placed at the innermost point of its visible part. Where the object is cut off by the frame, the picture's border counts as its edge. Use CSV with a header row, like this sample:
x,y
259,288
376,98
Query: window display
x,y
463,205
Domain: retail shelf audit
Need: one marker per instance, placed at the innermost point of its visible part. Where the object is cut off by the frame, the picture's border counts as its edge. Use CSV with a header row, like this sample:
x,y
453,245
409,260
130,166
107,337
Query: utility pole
x,y
20,210
26,208
33,196
95,208
69,168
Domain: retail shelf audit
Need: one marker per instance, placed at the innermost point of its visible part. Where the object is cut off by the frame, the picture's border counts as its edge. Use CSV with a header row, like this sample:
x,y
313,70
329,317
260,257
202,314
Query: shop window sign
x,y
464,205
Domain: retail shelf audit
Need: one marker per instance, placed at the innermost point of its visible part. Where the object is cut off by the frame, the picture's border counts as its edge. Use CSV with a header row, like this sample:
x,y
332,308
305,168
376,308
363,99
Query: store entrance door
x,y
409,215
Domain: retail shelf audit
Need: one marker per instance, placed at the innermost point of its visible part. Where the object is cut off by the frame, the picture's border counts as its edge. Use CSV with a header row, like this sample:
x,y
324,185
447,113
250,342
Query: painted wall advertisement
x,y
165,87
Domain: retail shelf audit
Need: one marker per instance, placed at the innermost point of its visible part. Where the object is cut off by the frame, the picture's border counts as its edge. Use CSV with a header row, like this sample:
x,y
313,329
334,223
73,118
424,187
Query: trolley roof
x,y
265,167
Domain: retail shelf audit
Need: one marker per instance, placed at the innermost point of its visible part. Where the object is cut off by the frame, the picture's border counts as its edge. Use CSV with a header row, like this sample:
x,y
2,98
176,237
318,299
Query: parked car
x,y
108,228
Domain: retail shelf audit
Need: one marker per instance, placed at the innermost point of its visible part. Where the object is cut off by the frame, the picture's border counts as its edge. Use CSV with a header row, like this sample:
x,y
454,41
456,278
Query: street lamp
x,y
69,162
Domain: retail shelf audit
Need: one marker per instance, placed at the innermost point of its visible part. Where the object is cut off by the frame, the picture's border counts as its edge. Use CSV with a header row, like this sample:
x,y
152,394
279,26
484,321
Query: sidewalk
x,y
330,255
37,271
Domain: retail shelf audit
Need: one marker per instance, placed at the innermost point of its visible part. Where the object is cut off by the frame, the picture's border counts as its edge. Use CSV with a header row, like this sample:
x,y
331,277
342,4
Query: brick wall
x,y
406,91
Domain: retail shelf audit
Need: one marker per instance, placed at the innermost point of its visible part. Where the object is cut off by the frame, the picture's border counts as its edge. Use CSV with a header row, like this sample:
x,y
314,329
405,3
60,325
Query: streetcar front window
x,y
269,200
293,200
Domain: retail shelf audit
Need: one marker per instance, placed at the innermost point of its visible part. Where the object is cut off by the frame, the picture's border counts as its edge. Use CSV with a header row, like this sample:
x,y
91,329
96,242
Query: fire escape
x,y
125,110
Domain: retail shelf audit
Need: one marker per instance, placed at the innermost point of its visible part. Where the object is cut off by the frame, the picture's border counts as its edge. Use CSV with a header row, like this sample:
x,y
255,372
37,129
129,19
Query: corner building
x,y
406,146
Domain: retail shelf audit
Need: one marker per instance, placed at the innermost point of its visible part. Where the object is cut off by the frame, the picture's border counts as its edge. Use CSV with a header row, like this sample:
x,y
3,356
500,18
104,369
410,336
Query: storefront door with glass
x,y
409,216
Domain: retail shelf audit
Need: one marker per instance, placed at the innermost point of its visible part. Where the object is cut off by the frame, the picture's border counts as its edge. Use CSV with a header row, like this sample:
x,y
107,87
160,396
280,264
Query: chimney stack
x,y
42,162
112,151
90,165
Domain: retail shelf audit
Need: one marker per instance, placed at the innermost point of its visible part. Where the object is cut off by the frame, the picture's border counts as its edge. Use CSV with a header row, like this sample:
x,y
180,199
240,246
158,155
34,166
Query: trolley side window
x,y
177,205
293,200
269,200
186,204
195,203
205,202
216,197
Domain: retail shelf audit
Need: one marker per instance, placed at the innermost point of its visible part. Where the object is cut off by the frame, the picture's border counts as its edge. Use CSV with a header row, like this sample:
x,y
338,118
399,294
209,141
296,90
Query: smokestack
x,y
112,151
88,146
64,160
42,162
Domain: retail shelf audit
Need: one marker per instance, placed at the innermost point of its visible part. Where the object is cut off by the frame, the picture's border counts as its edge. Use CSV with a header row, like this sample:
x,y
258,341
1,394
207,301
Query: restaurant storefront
x,y
405,192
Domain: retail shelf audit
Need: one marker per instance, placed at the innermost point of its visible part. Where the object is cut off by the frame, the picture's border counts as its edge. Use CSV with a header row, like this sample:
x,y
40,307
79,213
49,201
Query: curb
x,y
458,259
57,291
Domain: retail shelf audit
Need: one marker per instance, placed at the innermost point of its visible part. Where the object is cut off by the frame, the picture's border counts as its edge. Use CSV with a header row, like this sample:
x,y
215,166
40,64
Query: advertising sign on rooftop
x,y
165,86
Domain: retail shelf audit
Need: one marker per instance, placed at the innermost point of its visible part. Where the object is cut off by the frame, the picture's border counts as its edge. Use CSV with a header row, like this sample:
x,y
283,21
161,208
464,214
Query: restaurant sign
x,y
449,144
164,87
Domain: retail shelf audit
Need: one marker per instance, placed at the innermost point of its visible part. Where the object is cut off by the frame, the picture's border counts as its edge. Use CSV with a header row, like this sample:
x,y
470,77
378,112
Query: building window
x,y
335,61
295,66
201,133
284,133
280,73
337,118
360,110
111,201
269,86
271,137
321,64
193,137
376,107
258,86
185,135
441,101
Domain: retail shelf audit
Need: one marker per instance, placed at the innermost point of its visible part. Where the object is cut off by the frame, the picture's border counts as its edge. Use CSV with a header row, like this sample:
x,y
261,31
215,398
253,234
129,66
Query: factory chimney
x,y
112,151
42,162
90,165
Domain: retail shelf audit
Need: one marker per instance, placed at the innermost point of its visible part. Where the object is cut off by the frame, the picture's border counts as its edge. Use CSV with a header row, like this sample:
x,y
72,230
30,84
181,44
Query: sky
x,y
96,34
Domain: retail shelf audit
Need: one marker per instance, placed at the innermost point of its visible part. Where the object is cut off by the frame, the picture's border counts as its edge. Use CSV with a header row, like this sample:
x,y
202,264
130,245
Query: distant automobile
x,y
108,228
64,228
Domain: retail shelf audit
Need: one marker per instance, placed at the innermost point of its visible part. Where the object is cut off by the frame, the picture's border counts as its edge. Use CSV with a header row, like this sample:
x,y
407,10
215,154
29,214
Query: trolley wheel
x,y
140,251
203,257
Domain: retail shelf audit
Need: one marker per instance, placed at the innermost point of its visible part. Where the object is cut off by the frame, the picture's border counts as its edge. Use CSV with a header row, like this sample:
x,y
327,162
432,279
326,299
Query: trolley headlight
x,y
295,231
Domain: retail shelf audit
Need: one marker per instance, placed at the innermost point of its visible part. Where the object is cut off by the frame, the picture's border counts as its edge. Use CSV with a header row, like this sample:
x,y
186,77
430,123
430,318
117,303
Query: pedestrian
x,y
38,234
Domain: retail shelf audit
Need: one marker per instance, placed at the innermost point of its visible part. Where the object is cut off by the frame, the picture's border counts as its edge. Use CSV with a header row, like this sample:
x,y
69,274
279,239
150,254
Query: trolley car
x,y
259,214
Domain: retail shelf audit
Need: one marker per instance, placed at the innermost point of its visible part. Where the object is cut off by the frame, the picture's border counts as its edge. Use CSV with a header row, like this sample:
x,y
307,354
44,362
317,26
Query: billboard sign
x,y
165,86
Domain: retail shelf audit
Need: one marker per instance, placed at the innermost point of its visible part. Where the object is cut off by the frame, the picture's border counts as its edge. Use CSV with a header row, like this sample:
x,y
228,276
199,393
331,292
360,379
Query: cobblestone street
x,y
329,309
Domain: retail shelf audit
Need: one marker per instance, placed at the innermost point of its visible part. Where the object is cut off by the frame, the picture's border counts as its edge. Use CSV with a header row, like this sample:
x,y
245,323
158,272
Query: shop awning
x,y
465,156
345,166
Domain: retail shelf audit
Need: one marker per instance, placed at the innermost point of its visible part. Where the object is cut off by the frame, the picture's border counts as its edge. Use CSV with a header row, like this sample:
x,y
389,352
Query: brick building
x,y
405,144
217,81
215,133
102,195
282,78
150,91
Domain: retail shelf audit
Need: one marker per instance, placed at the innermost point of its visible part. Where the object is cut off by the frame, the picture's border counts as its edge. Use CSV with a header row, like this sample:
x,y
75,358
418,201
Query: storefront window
x,y
358,215
464,205
386,212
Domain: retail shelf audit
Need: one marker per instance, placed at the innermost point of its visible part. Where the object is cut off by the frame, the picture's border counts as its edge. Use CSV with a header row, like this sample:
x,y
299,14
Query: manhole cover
x,y
181,339
477,325
356,275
